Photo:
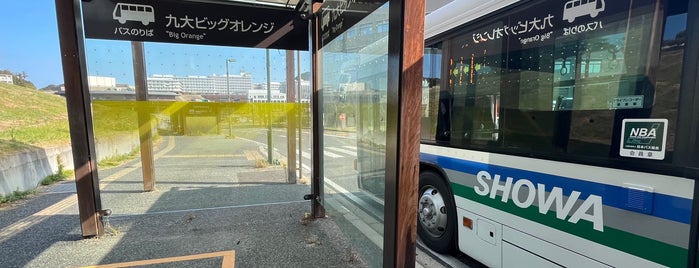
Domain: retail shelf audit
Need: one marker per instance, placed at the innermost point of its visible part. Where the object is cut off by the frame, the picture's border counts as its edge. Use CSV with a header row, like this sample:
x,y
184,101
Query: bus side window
x,y
435,106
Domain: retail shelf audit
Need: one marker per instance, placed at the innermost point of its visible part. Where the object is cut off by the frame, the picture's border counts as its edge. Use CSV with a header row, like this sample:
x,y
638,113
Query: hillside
x,y
30,117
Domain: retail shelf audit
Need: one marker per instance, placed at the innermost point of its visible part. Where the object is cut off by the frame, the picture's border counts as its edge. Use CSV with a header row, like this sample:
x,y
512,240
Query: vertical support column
x,y
291,118
270,146
145,127
299,113
79,116
405,53
317,208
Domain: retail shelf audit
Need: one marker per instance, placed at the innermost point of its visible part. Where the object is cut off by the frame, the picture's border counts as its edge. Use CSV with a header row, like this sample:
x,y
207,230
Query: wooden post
x,y
145,128
406,50
291,117
79,116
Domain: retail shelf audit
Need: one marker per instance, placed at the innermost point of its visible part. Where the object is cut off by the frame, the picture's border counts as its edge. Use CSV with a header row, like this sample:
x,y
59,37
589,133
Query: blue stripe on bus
x,y
664,206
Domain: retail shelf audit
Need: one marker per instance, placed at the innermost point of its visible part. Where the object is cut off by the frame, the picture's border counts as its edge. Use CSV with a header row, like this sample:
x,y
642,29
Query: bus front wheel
x,y
436,213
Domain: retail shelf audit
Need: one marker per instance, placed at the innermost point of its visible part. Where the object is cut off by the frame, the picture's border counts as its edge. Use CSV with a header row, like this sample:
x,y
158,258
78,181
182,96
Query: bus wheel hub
x,y
432,212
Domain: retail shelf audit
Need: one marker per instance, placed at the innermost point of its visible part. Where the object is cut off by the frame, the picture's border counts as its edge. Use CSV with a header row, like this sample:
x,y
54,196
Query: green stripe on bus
x,y
640,246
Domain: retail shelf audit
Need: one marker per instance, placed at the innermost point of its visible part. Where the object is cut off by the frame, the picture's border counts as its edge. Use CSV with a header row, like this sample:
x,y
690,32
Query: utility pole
x,y
228,91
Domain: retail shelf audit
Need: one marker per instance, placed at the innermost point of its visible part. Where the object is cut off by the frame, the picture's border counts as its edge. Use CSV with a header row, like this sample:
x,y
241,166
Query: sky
x,y
30,41
30,44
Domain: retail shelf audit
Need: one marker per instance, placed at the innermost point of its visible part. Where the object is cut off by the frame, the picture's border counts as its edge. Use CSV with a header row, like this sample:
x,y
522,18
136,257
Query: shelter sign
x,y
339,15
179,21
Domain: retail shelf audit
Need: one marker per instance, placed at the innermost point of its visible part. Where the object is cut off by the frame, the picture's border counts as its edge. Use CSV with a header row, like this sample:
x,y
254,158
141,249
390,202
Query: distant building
x,y
163,83
130,95
305,94
272,86
239,84
101,82
234,85
6,78
260,95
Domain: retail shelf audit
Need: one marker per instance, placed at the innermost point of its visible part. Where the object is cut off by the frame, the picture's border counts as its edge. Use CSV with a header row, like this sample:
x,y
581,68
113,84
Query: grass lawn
x,y
30,117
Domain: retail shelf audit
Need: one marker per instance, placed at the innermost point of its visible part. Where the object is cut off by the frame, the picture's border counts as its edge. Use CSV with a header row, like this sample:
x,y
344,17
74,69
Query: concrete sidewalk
x,y
212,208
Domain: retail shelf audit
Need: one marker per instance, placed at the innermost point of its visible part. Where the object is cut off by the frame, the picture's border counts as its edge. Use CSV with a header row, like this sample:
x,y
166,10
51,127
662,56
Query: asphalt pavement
x,y
215,205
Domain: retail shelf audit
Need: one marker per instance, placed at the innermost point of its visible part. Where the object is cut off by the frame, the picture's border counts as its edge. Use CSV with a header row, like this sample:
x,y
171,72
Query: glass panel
x,y
354,82
218,123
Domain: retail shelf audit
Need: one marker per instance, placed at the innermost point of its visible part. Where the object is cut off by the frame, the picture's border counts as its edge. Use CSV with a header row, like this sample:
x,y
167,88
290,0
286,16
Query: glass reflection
x,y
354,97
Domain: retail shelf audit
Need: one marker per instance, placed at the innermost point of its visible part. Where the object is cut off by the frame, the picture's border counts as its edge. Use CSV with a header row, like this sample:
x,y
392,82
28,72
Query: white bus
x,y
124,12
524,164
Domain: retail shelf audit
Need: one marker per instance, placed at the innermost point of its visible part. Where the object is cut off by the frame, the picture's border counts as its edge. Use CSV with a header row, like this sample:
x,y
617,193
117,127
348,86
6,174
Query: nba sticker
x,y
643,138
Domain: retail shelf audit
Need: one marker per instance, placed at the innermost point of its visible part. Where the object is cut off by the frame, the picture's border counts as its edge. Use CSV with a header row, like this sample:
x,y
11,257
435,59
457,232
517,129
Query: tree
x,y
20,79
52,88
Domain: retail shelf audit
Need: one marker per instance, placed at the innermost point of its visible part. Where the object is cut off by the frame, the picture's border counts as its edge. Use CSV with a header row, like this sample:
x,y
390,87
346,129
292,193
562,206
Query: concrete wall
x,y
25,170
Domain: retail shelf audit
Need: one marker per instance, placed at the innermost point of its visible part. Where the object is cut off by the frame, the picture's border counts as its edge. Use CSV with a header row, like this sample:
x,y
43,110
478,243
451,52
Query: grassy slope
x,y
30,117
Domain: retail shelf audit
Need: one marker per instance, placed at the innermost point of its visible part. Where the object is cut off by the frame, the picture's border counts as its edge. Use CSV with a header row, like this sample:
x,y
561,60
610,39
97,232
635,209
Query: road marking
x,y
29,221
203,156
305,155
331,155
326,153
352,153
212,208
227,262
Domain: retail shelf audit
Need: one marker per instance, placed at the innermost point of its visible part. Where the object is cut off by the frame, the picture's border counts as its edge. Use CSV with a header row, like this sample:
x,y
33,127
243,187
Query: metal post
x,y
270,150
317,173
228,92
228,85
299,113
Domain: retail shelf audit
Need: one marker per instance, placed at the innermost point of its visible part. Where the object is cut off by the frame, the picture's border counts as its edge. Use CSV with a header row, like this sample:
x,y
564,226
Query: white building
x,y
163,83
260,95
6,78
234,84
101,82
272,86
305,90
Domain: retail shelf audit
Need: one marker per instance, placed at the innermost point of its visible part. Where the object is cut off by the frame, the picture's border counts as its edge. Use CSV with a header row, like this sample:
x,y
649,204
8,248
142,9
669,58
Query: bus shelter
x,y
365,79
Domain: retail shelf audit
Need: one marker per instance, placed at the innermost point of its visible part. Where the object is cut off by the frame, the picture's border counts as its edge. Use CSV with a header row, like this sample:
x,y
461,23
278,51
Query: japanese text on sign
x,y
218,24
527,26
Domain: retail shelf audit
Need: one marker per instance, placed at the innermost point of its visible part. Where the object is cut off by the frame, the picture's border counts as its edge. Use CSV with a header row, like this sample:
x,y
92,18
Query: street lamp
x,y
228,84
